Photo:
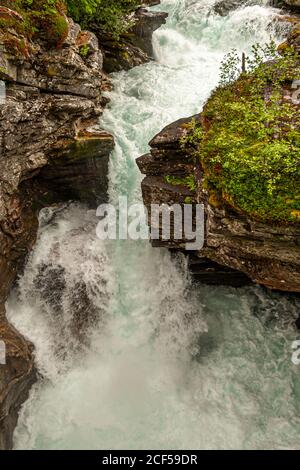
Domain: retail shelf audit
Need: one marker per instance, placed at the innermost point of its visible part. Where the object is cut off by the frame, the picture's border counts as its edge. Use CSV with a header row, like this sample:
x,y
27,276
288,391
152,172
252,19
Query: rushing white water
x,y
165,364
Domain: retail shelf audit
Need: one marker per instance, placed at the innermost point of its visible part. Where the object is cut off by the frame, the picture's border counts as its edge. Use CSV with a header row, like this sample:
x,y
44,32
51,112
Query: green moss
x,y
188,181
188,200
43,19
46,19
84,50
249,145
108,16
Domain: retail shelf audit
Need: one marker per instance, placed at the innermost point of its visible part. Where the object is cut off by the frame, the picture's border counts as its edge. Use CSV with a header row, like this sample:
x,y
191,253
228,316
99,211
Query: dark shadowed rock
x,y
225,7
294,4
16,378
134,47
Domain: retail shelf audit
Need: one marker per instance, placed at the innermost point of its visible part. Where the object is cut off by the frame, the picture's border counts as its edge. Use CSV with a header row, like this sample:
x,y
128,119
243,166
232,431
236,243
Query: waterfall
x,y
131,354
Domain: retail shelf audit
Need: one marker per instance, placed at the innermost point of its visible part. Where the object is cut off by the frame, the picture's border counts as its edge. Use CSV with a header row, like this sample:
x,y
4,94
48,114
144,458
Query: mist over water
x,y
164,363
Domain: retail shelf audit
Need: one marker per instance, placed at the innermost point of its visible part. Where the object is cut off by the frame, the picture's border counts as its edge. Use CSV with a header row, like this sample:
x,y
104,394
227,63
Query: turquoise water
x,y
165,364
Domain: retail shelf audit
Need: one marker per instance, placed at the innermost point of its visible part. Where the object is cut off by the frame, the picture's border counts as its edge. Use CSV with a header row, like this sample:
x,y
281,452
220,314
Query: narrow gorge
x,y
118,344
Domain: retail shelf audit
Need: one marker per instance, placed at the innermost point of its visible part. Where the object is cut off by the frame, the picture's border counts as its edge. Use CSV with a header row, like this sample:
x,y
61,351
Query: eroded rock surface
x,y
16,378
266,254
51,149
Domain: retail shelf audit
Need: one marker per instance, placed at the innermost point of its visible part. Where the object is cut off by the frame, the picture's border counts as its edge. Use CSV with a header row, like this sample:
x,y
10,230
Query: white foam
x,y
154,375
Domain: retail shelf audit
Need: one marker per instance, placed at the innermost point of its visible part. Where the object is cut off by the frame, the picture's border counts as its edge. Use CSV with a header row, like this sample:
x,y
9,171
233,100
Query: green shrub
x,y
109,16
46,19
84,50
188,181
249,143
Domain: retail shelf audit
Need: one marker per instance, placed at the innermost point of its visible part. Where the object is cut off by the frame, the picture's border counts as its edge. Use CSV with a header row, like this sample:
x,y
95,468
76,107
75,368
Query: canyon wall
x,y
51,150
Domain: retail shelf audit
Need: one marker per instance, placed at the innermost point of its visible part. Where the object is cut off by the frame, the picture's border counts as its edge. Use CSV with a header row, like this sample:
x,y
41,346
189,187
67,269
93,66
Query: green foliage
x,y
234,65
109,16
188,181
84,50
231,67
188,200
250,142
44,19
193,136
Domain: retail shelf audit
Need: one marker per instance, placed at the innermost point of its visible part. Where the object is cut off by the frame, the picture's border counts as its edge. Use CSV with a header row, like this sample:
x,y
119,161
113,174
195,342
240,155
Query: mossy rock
x,y
249,145
37,19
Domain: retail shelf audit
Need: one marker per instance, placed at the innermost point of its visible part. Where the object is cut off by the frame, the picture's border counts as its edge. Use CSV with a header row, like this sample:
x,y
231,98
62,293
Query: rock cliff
x,y
293,3
49,145
51,150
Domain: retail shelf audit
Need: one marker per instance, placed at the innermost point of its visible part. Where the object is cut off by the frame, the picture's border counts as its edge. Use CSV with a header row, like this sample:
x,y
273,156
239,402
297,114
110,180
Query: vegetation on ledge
x,y
110,16
249,141
188,181
47,19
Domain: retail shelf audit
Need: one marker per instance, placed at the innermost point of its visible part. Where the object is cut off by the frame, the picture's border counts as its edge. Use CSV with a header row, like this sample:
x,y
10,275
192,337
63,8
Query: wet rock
x,y
236,248
293,3
135,47
293,39
50,151
67,302
84,313
208,272
85,160
224,7
16,378
147,22
50,284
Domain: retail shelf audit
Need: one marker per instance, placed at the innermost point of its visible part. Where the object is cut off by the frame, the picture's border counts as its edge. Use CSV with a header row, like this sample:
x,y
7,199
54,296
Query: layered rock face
x,y
51,150
16,378
236,248
50,146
